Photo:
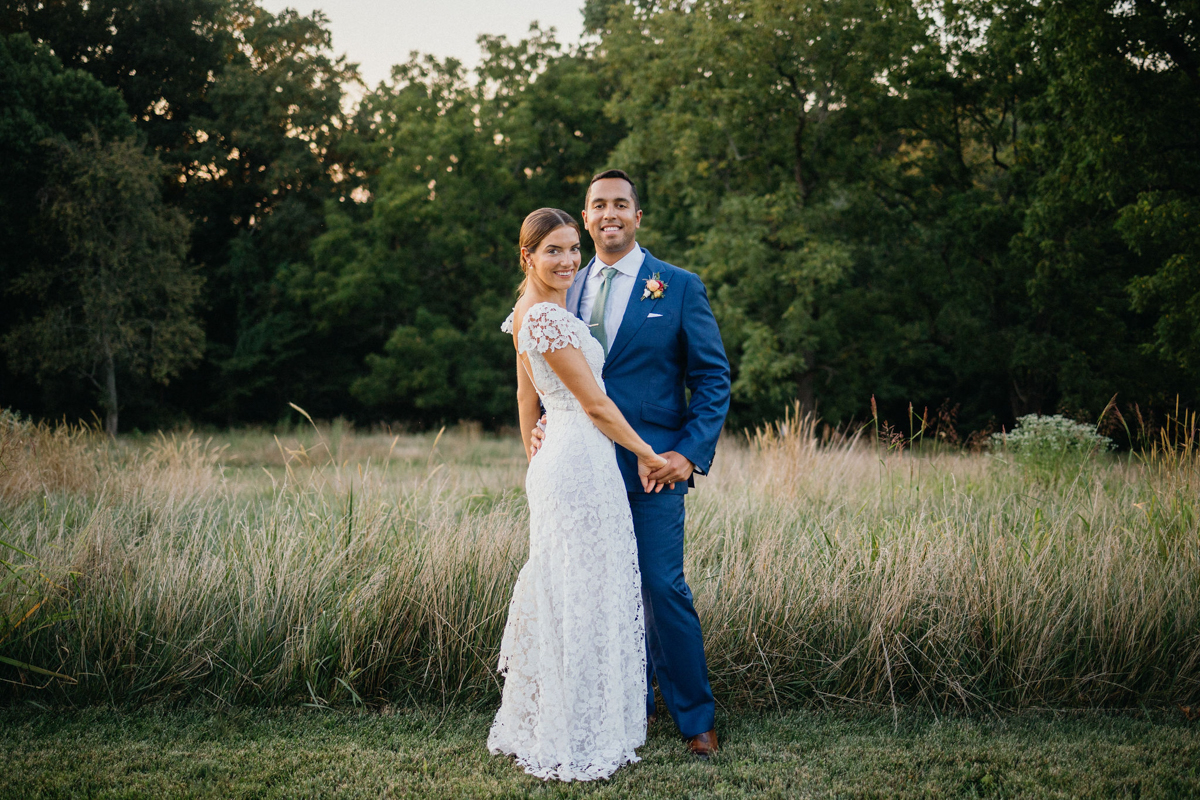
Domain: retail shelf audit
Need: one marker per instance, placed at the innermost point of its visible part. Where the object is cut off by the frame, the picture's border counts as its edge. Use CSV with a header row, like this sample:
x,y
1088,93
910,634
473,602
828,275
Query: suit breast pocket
x,y
661,416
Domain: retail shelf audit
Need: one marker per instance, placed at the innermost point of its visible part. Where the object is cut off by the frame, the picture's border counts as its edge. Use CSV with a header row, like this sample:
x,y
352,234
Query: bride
x,y
573,653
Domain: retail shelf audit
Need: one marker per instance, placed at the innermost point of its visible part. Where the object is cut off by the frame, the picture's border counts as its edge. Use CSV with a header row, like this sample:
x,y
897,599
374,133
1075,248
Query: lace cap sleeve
x,y
507,325
548,327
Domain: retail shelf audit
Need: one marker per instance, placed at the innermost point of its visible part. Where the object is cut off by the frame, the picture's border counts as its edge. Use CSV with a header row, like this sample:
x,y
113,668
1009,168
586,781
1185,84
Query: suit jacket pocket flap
x,y
661,416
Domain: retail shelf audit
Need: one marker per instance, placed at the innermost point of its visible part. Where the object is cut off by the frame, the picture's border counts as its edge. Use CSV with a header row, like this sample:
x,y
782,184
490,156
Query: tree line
x,y
988,208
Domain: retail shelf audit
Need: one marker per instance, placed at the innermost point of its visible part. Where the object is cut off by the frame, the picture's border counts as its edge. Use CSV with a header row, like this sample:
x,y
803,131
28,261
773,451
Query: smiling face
x,y
612,218
553,262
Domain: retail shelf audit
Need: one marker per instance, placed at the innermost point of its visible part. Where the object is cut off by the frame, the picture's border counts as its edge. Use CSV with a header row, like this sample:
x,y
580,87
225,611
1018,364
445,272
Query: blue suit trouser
x,y
674,644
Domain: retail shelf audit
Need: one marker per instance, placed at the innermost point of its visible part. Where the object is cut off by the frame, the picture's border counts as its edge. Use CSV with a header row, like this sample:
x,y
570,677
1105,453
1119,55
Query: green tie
x,y
597,322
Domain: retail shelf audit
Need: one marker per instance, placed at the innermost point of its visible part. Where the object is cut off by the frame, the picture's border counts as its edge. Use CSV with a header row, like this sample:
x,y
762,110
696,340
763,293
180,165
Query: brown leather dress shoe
x,y
703,745
651,719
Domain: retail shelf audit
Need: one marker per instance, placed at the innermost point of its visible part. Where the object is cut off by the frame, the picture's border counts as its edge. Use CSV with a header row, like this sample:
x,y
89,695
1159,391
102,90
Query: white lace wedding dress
x,y
573,653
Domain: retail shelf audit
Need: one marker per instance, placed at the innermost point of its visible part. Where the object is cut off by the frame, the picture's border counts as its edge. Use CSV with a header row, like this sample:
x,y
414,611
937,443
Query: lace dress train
x,y
573,654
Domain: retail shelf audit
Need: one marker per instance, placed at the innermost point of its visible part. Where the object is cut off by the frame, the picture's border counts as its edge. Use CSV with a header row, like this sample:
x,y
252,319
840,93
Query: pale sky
x,y
380,33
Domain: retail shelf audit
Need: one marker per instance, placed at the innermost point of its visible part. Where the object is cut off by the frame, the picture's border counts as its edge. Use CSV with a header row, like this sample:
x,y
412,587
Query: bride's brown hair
x,y
536,227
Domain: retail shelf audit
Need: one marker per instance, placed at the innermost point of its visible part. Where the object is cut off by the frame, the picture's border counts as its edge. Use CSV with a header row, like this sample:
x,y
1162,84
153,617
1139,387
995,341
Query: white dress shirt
x,y
619,291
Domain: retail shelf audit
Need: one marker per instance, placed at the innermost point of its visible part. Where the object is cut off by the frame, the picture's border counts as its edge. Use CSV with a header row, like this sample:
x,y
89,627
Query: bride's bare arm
x,y
529,408
572,369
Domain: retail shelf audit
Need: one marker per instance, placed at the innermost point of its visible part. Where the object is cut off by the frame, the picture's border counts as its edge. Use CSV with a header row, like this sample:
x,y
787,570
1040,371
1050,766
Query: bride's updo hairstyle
x,y
536,227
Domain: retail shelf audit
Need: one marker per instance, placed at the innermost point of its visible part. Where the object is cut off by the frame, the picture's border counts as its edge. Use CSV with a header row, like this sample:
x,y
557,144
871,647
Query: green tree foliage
x,y
41,104
120,297
1166,227
837,186
421,260
991,203
245,109
161,56
264,162
162,59
909,200
41,101
1117,209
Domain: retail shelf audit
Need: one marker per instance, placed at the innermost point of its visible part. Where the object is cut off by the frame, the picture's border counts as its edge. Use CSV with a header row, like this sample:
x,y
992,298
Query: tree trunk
x,y
110,396
1027,396
799,144
804,387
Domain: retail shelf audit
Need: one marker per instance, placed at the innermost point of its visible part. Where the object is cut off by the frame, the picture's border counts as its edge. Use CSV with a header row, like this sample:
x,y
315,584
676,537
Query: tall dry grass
x,y
335,567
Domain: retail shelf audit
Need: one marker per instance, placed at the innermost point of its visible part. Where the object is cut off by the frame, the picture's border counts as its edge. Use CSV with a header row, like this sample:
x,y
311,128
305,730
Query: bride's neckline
x,y
540,303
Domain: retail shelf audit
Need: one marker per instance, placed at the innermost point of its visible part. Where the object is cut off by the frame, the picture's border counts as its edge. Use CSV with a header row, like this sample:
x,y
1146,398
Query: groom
x,y
659,336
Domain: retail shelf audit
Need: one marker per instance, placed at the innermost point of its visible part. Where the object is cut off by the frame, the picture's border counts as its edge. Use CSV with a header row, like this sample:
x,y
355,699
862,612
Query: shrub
x,y
1048,445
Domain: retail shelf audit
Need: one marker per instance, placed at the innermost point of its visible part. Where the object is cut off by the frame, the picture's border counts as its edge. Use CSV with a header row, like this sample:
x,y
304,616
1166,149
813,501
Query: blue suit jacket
x,y
651,361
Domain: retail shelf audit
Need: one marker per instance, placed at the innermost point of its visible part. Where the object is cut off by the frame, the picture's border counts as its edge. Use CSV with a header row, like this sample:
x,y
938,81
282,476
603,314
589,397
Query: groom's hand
x,y
678,468
538,435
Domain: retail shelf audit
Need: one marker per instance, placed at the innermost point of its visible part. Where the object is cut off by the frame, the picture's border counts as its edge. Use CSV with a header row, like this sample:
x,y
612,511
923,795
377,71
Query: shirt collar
x,y
628,265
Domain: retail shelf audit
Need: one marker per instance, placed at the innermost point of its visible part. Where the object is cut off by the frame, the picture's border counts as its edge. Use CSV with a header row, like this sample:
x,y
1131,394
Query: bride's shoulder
x,y
547,326
523,311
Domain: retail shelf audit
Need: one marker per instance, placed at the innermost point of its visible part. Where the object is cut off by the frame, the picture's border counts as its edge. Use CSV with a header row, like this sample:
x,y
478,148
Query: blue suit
x,y
661,347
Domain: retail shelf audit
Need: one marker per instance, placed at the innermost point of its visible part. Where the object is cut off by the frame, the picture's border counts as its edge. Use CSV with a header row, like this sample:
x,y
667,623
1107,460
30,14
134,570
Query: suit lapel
x,y
635,310
575,293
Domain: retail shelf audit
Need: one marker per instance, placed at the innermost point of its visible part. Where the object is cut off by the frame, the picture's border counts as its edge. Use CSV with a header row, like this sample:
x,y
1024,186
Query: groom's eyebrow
x,y
618,199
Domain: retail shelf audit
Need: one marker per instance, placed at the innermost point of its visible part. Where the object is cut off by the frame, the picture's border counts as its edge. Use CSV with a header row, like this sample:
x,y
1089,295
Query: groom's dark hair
x,y
614,173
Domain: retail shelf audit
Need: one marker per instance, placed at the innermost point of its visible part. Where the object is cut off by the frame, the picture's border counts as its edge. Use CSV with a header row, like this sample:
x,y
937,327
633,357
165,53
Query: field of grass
x,y
429,753
332,568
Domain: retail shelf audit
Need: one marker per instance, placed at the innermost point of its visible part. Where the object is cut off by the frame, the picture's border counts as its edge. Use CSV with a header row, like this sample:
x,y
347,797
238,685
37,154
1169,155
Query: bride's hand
x,y
646,465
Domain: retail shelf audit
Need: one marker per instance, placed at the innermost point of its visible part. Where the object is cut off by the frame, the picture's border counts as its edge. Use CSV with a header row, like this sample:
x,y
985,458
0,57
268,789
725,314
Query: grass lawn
x,y
304,753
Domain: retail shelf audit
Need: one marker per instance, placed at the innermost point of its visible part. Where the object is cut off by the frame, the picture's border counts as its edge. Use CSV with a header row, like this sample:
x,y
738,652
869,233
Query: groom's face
x,y
611,216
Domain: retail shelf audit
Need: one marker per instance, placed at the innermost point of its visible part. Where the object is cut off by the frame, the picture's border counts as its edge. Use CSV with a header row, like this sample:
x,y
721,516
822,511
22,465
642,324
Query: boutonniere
x,y
655,287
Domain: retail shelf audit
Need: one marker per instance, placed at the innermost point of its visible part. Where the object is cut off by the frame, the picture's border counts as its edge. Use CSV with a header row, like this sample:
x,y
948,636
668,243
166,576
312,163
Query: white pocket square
x,y
652,316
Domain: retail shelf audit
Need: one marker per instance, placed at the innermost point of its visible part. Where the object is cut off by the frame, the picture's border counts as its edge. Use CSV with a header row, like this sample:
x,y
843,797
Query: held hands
x,y
538,435
662,470
678,468
648,465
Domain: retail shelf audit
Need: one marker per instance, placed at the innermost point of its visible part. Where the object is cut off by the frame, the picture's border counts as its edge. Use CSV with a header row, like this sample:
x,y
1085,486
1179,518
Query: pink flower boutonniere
x,y
655,287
